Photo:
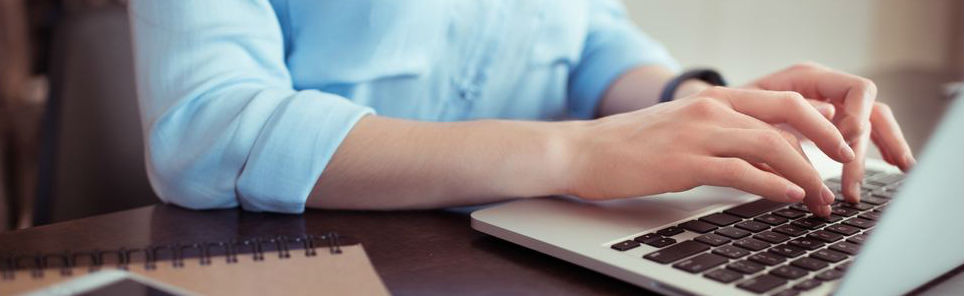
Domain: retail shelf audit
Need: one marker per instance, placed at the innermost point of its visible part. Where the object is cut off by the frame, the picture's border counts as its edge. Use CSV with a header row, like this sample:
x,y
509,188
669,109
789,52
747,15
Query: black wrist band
x,y
706,75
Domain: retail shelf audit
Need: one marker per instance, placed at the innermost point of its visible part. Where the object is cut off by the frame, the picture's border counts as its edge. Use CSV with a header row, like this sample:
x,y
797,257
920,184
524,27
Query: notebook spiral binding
x,y
174,253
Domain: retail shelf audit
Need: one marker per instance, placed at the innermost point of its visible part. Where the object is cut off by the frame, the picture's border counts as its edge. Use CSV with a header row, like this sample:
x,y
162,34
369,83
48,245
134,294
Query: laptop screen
x,y
921,236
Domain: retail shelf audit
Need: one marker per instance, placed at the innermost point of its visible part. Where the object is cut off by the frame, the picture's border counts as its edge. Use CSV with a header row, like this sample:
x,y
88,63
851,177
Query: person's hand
x,y
719,136
857,116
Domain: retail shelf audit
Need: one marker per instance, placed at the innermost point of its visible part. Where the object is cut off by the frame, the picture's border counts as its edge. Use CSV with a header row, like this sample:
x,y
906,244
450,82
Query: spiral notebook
x,y
310,264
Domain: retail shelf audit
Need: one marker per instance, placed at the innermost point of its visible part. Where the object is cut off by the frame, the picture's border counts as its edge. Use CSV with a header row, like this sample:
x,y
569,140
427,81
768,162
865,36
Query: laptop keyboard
x,y
764,246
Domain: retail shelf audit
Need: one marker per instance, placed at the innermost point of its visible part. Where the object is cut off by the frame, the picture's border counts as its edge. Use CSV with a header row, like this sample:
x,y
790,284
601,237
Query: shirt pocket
x,y
340,42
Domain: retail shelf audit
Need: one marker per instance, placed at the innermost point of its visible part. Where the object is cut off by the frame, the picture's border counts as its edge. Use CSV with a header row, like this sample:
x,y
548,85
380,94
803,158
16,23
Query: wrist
x,y
566,154
674,88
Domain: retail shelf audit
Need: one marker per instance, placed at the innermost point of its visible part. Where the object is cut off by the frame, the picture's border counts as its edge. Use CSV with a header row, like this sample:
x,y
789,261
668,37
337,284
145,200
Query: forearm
x,y
387,163
640,88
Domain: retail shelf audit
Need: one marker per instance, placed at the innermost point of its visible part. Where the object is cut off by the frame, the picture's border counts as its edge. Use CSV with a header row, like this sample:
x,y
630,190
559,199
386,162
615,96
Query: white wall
x,y
748,38
910,48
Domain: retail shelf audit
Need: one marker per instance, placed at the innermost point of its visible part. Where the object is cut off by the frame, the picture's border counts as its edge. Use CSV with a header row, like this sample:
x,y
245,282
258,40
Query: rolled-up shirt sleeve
x,y
612,46
223,124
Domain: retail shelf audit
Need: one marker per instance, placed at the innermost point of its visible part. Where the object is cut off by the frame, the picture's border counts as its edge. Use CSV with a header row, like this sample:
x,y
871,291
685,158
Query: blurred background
x,y
70,137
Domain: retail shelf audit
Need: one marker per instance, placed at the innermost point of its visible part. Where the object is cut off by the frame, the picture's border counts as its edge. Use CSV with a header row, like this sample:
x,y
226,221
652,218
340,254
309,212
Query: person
x,y
279,105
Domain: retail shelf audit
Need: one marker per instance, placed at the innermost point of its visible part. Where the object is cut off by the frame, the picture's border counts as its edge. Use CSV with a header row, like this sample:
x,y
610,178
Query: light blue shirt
x,y
244,102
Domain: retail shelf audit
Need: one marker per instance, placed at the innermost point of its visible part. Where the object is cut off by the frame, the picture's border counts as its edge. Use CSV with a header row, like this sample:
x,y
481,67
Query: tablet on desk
x,y
110,283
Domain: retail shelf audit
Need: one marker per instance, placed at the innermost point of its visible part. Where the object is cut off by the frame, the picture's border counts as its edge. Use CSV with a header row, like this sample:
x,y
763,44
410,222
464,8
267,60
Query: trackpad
x,y
562,217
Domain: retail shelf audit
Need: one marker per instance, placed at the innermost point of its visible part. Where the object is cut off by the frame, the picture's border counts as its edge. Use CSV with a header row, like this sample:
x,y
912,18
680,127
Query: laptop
x,y
906,231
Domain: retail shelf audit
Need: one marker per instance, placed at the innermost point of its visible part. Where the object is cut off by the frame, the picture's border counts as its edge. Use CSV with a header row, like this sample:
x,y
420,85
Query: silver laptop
x,y
908,230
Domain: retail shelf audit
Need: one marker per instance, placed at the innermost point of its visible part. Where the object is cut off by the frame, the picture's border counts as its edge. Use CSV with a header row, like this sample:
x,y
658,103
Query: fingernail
x,y
826,195
795,193
846,153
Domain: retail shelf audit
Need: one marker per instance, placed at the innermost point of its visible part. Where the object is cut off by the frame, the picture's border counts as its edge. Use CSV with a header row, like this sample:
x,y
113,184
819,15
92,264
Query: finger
x,y
819,209
874,138
790,108
825,109
795,143
889,138
764,167
770,147
853,172
740,120
854,93
739,174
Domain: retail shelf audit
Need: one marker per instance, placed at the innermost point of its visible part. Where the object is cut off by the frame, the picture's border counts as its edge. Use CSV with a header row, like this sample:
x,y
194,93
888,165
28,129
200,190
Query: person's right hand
x,y
720,137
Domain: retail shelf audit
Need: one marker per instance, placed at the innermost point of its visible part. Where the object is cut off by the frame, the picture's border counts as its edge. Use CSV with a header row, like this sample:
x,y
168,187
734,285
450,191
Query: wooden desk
x,y
415,252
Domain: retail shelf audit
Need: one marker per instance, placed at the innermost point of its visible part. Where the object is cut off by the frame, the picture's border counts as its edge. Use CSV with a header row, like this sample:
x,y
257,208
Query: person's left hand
x,y
854,111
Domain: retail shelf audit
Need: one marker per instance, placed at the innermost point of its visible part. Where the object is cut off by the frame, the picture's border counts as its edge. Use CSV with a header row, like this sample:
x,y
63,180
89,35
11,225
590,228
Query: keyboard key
x,y
771,219
860,223
843,266
746,267
677,252
800,207
858,239
807,285
670,231
790,213
842,211
752,209
625,245
830,275
806,243
843,229
787,251
767,258
831,219
771,237
733,232
790,229
700,263
787,292
811,222
720,219
859,206
752,226
751,244
698,226
874,200
846,247
826,236
829,255
789,272
870,216
712,239
661,242
762,284
646,238
885,179
809,264
884,192
731,251
723,276
867,186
